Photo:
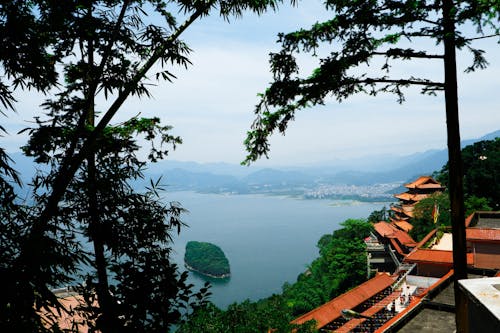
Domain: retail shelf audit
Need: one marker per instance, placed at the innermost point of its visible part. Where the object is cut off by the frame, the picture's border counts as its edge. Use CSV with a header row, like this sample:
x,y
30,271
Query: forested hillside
x,y
481,171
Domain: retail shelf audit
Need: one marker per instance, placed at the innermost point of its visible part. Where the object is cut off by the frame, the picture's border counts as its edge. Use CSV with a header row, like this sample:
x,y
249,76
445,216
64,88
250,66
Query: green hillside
x,y
481,162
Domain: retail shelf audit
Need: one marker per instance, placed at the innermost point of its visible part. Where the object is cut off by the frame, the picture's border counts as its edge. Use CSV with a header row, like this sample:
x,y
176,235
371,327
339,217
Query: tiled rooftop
x,y
435,256
483,234
404,225
387,230
354,297
411,197
424,182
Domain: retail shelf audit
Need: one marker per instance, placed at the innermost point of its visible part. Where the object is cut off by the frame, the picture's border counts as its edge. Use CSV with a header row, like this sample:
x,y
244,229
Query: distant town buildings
x,y
339,191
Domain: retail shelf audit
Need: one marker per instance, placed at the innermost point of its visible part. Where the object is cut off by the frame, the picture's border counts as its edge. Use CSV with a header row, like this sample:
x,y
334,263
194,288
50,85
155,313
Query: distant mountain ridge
x,y
230,178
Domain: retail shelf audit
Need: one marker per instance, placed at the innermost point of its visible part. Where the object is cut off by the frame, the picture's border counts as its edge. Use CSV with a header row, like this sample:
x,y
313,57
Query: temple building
x,y
419,189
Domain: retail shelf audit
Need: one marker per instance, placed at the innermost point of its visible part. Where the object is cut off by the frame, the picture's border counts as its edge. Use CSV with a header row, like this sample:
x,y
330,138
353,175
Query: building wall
x,y
487,255
432,270
480,320
481,304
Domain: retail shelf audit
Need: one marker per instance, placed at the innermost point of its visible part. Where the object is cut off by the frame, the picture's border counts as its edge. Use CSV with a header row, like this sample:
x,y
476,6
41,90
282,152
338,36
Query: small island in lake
x,y
207,259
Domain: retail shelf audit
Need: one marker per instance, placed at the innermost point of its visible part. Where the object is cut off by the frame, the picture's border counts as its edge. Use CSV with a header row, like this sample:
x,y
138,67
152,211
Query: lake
x,y
268,240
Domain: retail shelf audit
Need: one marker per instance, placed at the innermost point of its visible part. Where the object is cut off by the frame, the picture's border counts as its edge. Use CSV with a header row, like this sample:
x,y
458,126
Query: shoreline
x,y
222,276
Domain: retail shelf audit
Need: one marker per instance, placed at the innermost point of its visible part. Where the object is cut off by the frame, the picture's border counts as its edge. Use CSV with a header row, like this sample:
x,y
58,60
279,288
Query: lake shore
x,y
222,276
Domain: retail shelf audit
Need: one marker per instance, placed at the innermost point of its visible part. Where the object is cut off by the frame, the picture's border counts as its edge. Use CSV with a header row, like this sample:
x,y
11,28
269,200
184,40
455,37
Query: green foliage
x,y
245,317
379,215
473,203
481,162
206,258
423,221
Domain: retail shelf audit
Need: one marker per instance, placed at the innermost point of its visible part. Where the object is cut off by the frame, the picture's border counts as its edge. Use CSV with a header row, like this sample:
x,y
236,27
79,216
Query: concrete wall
x,y
486,255
432,270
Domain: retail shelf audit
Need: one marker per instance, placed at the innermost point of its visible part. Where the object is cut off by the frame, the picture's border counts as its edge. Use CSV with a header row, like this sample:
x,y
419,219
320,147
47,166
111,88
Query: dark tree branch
x,y
401,82
430,22
409,55
482,37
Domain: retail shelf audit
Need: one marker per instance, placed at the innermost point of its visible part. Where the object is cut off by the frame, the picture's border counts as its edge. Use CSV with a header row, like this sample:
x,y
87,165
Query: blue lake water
x,y
268,239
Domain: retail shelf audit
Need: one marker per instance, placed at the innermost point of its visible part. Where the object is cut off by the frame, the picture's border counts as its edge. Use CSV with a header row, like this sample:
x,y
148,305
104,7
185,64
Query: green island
x,y
207,259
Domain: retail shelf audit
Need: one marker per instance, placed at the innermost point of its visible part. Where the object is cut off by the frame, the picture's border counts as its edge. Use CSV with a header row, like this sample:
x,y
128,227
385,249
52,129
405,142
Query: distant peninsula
x,y
207,259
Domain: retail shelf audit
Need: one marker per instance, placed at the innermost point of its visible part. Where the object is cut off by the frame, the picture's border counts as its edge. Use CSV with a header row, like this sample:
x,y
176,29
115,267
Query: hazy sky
x,y
211,104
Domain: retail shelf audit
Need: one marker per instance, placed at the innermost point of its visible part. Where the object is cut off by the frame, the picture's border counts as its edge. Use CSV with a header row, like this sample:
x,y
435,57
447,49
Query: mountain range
x,y
232,178
365,171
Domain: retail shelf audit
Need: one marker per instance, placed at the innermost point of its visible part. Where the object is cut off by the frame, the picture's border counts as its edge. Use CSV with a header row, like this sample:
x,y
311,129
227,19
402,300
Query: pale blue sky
x,y
211,104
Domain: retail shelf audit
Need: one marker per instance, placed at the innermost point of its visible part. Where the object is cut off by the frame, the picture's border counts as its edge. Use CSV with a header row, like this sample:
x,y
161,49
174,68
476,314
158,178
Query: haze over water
x,y
268,240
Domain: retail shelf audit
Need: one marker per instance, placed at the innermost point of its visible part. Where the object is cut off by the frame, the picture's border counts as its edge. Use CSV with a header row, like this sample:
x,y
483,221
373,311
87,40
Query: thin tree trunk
x,y
109,322
455,182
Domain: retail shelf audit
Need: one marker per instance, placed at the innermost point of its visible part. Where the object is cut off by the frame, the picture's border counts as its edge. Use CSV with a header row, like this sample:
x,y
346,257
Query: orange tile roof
x,y
468,220
410,197
399,218
370,312
403,196
424,182
396,246
404,225
483,234
404,209
383,228
397,209
387,230
332,310
408,209
435,256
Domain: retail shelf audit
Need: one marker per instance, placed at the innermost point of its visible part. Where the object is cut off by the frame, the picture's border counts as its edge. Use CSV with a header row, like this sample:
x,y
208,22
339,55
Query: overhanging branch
x,y
402,82
408,55
482,37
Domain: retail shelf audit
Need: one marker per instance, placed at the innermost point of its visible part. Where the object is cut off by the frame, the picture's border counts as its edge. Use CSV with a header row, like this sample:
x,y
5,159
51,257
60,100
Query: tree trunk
x,y
455,182
108,320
